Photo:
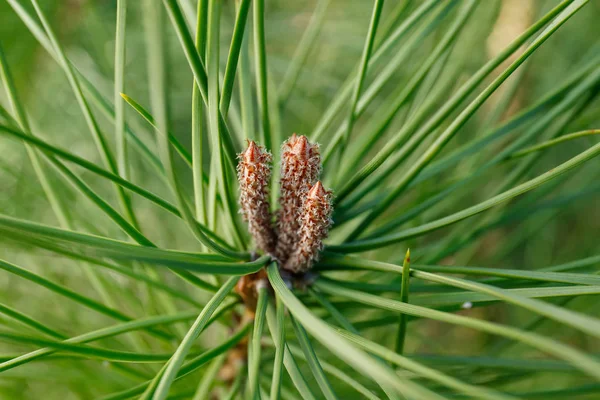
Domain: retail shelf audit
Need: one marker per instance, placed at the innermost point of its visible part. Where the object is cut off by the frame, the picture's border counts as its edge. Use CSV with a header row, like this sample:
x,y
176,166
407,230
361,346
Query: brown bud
x,y
254,174
300,168
247,287
315,223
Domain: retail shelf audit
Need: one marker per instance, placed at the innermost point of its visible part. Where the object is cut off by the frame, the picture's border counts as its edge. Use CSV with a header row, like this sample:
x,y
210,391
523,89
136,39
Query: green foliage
x,y
121,243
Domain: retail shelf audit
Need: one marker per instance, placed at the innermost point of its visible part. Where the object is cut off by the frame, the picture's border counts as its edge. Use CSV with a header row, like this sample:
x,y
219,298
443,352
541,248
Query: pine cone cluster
x,y
304,216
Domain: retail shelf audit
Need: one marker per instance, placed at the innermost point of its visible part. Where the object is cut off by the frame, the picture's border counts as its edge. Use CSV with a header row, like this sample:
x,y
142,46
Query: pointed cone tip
x,y
251,152
301,146
291,141
317,190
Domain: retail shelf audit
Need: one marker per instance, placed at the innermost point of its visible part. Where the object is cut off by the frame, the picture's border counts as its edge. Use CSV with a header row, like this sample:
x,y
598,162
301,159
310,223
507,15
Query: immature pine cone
x,y
315,223
300,168
254,174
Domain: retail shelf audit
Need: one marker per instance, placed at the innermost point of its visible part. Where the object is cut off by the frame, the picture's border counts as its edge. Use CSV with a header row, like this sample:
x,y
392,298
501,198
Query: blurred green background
x,y
564,226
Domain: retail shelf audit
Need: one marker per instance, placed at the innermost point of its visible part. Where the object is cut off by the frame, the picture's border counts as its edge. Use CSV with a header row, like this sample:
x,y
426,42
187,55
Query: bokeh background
x,y
565,226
